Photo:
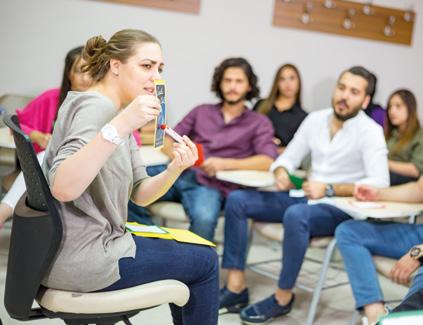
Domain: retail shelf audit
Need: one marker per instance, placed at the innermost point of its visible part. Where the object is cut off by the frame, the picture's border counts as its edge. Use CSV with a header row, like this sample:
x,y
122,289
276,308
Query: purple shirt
x,y
248,135
377,113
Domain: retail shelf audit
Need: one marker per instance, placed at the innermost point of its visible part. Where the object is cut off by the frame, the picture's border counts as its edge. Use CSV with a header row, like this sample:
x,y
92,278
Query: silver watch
x,y
110,134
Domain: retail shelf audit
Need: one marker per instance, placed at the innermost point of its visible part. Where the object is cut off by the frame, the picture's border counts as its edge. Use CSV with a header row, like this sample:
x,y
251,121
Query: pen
x,y
175,136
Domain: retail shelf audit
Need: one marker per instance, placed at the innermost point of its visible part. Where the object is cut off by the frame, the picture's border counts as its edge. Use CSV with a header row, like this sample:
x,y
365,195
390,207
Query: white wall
x,y
35,35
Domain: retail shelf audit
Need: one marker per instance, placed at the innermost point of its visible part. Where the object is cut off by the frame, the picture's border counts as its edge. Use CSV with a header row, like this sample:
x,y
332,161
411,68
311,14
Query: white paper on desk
x,y
348,209
367,205
149,229
272,188
296,193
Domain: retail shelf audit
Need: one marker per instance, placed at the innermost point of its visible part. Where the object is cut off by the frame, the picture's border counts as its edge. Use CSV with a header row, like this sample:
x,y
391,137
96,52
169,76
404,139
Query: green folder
x,y
297,181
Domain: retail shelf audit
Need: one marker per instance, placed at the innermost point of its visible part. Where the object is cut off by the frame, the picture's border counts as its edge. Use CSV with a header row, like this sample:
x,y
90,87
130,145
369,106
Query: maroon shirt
x,y
248,135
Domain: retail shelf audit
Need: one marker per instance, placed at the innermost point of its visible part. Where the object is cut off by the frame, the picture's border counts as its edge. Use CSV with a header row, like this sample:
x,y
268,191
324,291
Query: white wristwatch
x,y
110,134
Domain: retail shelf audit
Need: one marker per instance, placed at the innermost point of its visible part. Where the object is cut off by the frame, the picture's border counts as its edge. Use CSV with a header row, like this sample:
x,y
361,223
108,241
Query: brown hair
x,y
72,57
412,125
365,74
267,104
98,52
241,63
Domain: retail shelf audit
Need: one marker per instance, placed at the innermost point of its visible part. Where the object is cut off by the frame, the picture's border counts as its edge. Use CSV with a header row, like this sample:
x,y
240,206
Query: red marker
x,y
175,136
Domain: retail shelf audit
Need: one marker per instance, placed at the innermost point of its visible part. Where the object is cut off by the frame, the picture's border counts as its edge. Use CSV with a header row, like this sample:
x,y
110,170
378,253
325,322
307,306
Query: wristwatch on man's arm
x,y
416,253
329,191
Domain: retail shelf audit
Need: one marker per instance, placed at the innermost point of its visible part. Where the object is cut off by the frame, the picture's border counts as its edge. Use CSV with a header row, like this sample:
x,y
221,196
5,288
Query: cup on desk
x,y
200,159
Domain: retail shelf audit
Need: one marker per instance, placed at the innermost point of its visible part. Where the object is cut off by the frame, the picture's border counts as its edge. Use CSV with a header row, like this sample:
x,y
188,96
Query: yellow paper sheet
x,y
180,235
186,236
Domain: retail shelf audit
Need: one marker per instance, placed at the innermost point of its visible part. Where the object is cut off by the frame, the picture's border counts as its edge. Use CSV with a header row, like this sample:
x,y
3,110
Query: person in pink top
x,y
38,117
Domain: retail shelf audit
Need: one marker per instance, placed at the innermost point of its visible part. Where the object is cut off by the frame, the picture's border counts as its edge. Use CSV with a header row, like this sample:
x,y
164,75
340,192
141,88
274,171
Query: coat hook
x,y
388,30
329,4
408,14
368,8
306,16
348,23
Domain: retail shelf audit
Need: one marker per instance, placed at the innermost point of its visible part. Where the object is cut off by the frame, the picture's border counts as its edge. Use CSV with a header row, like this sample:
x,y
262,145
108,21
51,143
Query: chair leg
x,y
354,317
127,321
321,282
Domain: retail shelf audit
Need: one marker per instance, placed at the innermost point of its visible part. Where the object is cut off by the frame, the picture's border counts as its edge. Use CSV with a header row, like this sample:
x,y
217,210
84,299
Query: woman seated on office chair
x,y
404,138
38,117
93,167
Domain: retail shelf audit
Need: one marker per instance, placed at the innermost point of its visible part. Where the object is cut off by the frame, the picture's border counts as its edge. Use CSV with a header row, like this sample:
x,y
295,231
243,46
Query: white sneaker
x,y
364,320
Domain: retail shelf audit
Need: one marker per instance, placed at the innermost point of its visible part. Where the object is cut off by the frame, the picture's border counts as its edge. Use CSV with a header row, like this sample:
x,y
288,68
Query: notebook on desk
x,y
414,317
180,235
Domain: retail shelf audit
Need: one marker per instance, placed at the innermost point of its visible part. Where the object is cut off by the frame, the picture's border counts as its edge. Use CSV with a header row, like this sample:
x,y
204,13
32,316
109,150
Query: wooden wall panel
x,y
331,20
187,6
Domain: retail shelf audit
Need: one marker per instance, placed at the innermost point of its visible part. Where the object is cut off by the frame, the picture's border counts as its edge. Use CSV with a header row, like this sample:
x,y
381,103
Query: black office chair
x,y
35,239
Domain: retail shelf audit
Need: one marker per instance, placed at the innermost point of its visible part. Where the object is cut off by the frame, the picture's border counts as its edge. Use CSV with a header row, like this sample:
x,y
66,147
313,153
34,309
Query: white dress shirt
x,y
356,154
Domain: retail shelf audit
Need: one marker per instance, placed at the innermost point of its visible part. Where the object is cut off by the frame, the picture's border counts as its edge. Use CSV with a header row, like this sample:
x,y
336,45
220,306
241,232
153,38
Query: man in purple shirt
x,y
232,137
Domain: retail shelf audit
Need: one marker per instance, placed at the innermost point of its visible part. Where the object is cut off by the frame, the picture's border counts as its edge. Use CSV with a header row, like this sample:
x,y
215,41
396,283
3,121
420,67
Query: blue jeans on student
x,y
195,265
359,240
301,222
201,203
417,283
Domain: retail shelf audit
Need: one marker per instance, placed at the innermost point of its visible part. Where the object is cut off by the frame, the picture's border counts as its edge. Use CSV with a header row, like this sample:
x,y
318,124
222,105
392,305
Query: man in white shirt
x,y
346,148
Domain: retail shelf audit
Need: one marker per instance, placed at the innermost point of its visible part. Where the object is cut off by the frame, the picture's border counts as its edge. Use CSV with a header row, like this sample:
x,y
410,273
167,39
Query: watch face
x,y
329,191
108,132
415,252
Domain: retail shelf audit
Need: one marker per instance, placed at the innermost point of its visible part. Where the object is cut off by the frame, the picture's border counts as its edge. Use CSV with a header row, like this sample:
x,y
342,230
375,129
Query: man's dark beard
x,y
344,118
234,102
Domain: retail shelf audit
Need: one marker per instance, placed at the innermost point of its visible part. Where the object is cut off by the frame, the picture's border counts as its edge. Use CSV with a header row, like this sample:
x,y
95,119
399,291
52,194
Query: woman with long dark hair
x,y
37,120
283,105
404,138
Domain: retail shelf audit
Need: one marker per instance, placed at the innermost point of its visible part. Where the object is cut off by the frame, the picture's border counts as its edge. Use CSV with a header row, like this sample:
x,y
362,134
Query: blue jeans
x,y
201,203
417,283
196,266
301,222
359,240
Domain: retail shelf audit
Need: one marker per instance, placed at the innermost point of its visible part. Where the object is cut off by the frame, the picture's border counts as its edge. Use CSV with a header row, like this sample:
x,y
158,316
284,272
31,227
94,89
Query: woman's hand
x,y
184,155
42,139
138,113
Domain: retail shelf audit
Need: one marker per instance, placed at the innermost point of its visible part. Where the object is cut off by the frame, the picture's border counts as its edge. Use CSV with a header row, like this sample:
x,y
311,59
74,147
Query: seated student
x,y
404,138
346,147
93,168
359,240
232,137
374,110
38,117
283,105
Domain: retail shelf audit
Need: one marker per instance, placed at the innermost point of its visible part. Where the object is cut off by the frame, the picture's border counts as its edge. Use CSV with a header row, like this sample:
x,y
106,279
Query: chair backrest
x,y
36,231
11,102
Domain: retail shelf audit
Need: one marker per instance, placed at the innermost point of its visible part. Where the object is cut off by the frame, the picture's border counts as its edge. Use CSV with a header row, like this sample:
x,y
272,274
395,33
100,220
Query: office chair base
x,y
98,319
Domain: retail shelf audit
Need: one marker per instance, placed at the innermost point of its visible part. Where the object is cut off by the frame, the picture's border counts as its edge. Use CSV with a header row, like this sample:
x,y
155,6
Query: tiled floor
x,y
335,307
